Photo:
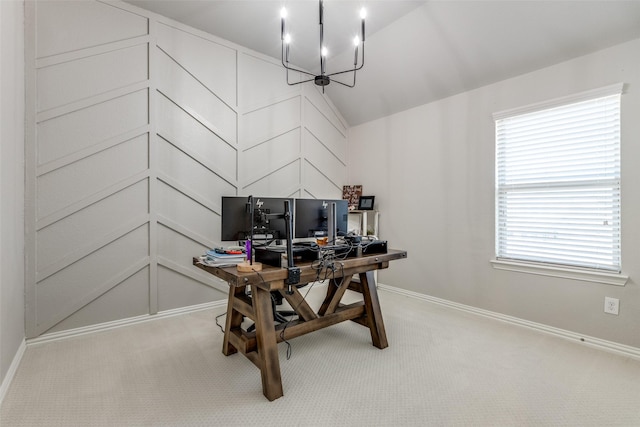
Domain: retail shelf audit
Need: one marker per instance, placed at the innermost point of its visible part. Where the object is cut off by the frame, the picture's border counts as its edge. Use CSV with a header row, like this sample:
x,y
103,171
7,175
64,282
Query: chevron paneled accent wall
x,y
136,127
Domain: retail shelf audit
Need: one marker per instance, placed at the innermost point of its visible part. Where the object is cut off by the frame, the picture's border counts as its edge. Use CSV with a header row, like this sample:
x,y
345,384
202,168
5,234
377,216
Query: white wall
x,y
431,169
136,126
12,330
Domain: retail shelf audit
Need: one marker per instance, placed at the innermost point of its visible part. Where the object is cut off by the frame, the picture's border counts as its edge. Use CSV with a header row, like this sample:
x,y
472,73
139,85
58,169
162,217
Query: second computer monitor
x,y
312,217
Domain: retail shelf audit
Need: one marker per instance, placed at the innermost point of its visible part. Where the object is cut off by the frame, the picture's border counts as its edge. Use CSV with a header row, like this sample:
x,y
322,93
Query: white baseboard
x,y
56,336
6,382
601,344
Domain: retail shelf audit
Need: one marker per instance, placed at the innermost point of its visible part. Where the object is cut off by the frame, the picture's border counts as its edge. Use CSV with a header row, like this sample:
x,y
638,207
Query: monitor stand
x,y
332,222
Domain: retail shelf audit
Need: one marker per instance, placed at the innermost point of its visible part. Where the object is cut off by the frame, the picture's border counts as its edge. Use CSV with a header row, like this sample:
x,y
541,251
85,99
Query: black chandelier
x,y
323,79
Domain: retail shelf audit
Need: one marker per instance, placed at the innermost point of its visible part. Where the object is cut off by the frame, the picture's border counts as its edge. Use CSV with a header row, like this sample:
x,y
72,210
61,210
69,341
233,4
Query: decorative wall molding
x,y
136,127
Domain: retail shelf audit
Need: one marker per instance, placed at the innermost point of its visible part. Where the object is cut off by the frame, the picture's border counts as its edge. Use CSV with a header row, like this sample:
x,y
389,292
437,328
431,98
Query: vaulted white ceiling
x,y
416,51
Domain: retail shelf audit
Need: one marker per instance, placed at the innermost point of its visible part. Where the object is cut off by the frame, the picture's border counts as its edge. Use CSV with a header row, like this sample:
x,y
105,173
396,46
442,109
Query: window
x,y
558,182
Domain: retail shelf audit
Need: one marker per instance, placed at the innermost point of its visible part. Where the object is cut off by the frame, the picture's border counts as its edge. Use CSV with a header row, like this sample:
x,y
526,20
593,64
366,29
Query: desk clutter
x,y
223,257
275,256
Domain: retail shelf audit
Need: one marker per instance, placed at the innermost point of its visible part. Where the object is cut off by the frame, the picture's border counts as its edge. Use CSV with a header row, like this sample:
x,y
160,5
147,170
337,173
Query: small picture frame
x,y
351,193
366,203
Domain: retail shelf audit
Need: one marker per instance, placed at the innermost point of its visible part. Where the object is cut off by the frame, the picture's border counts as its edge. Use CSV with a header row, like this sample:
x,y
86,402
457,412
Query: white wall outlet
x,y
611,305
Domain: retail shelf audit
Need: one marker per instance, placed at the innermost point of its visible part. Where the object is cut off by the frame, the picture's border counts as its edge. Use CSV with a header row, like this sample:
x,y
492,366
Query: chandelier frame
x,y
323,79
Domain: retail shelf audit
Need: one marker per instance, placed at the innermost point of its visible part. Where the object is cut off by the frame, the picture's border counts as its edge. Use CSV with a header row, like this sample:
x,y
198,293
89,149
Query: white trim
x,y
84,330
13,368
562,272
613,89
57,336
608,346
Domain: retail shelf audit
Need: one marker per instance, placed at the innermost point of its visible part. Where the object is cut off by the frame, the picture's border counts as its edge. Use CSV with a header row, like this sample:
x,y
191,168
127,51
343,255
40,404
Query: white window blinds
x,y
558,184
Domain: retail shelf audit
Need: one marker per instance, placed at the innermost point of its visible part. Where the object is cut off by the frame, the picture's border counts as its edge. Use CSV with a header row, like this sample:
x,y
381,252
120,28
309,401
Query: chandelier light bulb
x,y
283,14
324,52
363,13
287,38
356,41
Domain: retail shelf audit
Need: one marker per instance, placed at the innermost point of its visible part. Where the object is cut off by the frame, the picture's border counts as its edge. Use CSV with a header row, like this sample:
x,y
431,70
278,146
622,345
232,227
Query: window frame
x,y
545,268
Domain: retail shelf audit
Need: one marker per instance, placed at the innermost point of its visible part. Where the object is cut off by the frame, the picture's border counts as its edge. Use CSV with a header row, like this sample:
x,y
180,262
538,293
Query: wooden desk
x,y
260,346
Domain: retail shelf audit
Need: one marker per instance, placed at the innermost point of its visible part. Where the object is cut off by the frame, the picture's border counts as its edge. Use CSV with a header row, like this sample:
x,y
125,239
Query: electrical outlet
x,y
611,305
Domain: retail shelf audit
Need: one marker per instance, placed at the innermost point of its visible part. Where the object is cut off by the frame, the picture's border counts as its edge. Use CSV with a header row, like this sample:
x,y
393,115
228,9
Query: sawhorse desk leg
x,y
372,309
234,320
267,344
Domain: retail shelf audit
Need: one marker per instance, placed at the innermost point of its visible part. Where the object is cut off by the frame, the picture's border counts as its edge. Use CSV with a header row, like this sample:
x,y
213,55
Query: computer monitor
x,y
236,220
312,216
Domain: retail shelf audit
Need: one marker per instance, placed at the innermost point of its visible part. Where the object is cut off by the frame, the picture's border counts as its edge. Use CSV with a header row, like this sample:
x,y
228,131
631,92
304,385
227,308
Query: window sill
x,y
562,272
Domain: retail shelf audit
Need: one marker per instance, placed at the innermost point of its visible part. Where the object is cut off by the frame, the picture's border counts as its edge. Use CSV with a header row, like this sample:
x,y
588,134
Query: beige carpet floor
x,y
442,368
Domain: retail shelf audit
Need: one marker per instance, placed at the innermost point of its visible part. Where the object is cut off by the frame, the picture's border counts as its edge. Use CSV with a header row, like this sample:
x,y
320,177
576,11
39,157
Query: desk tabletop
x,y
272,278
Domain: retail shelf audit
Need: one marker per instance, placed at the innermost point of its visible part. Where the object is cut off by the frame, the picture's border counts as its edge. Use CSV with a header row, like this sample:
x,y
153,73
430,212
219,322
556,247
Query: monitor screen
x,y
311,217
236,221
